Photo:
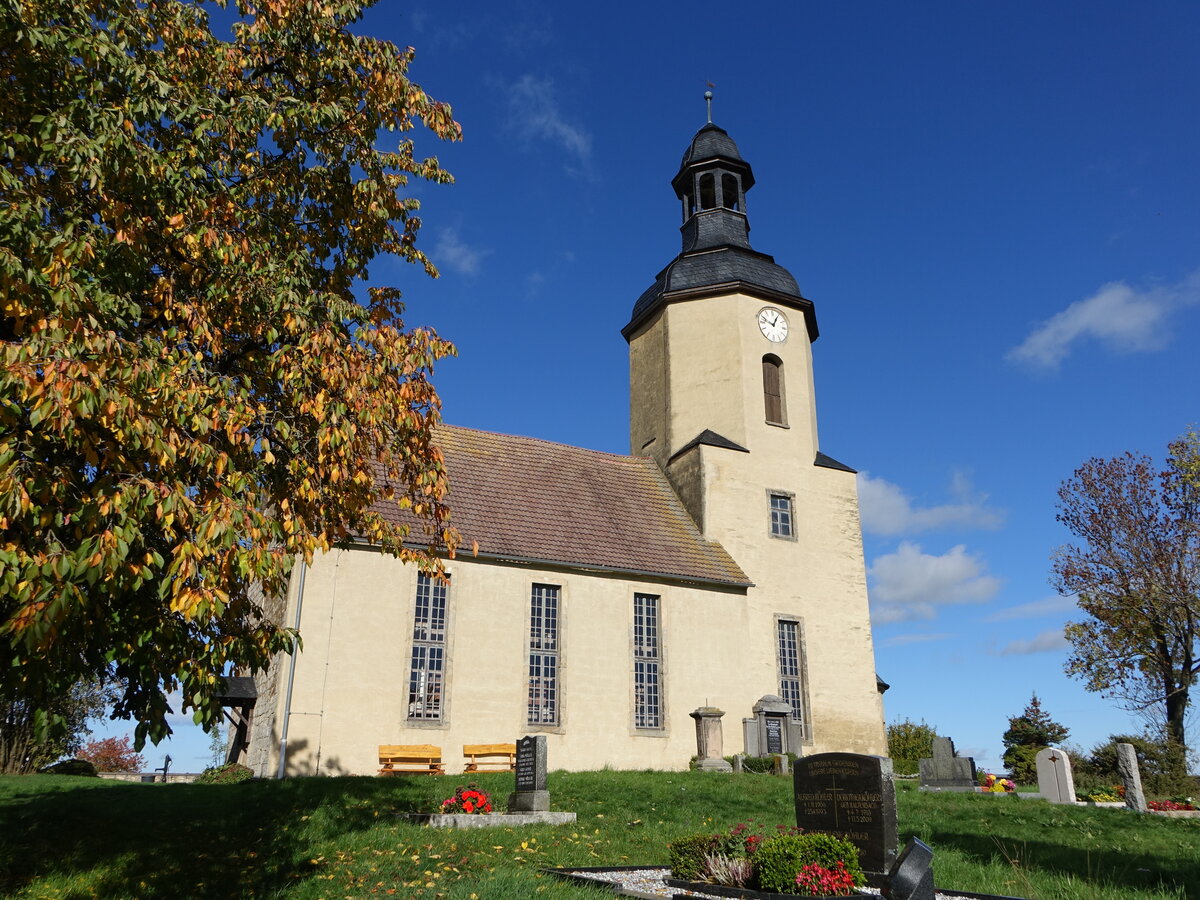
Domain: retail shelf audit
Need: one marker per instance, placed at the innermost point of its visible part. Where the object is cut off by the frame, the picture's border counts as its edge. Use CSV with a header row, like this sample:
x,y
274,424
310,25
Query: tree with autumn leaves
x,y
194,392
1136,574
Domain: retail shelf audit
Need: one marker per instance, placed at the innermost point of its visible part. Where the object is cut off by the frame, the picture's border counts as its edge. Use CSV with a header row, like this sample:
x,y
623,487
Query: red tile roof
x,y
533,500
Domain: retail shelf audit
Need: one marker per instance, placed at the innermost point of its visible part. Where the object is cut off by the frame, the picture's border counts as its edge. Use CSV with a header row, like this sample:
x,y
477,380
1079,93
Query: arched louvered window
x,y
708,191
729,193
776,410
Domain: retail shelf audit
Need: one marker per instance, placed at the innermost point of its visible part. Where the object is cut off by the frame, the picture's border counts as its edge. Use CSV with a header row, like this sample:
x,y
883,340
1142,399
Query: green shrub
x,y
230,773
780,859
761,765
71,767
908,742
687,855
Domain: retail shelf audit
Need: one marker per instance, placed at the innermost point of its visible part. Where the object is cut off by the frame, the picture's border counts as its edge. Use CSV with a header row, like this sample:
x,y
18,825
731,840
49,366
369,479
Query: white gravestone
x,y
1055,781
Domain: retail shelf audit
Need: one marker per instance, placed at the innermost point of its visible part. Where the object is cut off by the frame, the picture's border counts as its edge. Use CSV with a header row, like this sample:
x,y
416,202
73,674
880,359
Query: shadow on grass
x,y
1091,846
170,841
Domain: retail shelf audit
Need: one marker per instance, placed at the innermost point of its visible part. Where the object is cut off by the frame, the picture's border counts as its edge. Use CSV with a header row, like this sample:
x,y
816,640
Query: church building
x,y
611,596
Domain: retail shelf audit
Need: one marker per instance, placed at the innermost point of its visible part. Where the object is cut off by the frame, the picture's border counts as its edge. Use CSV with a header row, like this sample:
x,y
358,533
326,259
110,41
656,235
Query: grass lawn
x,y
335,838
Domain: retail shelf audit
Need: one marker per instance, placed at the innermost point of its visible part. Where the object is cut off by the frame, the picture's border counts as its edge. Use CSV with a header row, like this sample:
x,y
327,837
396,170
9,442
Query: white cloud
x,y
1047,641
1124,318
909,584
901,640
1034,609
450,251
534,115
887,510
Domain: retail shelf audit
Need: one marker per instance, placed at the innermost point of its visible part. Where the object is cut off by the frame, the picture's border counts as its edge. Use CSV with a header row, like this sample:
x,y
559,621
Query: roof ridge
x,y
537,440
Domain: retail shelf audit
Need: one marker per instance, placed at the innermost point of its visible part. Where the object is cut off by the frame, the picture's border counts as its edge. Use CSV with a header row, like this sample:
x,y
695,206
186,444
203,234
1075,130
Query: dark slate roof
x,y
712,439
530,500
725,270
712,142
828,462
238,690
717,257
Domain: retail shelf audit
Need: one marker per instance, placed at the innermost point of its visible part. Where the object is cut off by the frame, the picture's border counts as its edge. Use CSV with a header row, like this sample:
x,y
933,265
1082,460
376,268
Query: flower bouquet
x,y
467,800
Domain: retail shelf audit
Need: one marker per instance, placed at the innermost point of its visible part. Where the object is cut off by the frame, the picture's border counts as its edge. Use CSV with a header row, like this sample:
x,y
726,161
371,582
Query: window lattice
x,y
647,663
543,655
791,681
781,515
425,678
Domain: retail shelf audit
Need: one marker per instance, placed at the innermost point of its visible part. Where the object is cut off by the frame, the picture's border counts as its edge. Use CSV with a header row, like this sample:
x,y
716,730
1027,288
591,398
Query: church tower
x,y
722,398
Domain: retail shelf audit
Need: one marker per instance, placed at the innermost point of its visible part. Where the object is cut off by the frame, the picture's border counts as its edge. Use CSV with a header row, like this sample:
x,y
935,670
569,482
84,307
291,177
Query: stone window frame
x,y
772,523
555,727
781,622
436,639
645,667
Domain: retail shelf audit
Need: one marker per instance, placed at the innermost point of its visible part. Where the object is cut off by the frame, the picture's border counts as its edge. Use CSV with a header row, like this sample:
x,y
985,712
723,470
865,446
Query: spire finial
x,y
708,100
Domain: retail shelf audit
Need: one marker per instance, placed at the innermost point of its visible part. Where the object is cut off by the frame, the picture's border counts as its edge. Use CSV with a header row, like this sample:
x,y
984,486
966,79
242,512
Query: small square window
x,y
781,515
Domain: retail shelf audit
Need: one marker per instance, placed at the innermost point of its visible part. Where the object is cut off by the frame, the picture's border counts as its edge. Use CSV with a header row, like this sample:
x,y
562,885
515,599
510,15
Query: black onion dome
x,y
717,257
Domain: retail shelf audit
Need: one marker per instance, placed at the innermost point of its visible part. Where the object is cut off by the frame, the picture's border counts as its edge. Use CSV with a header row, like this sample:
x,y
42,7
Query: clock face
x,y
773,324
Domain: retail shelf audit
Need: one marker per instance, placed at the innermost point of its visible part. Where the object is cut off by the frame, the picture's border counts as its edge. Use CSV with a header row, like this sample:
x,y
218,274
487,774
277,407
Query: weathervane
x,y
708,100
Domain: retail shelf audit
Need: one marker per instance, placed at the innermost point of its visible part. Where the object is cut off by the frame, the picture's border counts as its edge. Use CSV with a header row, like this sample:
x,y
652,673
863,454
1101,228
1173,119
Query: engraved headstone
x,y
1131,777
851,796
945,771
774,727
531,794
1055,781
911,877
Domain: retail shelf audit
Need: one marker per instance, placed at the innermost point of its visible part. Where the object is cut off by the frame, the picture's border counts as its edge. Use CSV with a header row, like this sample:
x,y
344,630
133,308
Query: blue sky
x,y
995,208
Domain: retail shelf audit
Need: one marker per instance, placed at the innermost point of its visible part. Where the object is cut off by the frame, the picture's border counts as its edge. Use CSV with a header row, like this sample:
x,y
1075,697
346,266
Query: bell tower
x,y
720,344
722,398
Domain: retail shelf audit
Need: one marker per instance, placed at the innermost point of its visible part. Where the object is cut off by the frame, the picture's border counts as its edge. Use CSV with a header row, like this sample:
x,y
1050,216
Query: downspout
x,y
287,702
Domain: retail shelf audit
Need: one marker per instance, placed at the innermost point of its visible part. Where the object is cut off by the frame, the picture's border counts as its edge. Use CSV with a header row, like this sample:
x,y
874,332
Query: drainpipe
x,y
287,702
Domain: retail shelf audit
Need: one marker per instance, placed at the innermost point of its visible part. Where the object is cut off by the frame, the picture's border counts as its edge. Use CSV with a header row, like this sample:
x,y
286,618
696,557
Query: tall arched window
x,y
729,192
708,191
776,410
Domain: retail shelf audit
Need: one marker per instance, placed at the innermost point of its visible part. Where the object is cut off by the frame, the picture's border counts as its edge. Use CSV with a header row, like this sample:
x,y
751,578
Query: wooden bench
x,y
410,759
490,757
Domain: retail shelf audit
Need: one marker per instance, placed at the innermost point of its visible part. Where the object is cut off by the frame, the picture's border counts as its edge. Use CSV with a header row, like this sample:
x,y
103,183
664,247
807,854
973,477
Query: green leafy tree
x,y
908,743
1136,573
1028,733
194,393
24,747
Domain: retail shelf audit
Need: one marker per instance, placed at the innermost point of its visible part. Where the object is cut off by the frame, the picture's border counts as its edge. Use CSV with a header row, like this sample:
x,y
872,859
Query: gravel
x,y
650,883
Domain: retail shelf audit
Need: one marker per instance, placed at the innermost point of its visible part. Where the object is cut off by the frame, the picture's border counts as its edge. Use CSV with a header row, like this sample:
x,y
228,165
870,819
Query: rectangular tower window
x,y
425,677
781,515
647,663
791,678
543,655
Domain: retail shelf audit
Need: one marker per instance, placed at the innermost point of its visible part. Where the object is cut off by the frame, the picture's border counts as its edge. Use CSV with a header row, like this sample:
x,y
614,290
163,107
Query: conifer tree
x,y
1028,733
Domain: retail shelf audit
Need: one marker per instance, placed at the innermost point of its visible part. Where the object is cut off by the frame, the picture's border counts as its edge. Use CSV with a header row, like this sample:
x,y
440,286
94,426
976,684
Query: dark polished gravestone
x,y
911,877
945,771
531,794
852,796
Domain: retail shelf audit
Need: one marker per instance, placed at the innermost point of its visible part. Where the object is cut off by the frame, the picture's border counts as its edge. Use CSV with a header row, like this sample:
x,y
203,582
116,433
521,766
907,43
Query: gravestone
x,y
531,794
911,877
1055,781
772,730
852,796
709,742
945,771
1131,777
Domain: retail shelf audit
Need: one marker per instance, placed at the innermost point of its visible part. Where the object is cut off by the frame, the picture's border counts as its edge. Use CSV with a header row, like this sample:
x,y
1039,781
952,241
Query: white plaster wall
x,y
350,687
